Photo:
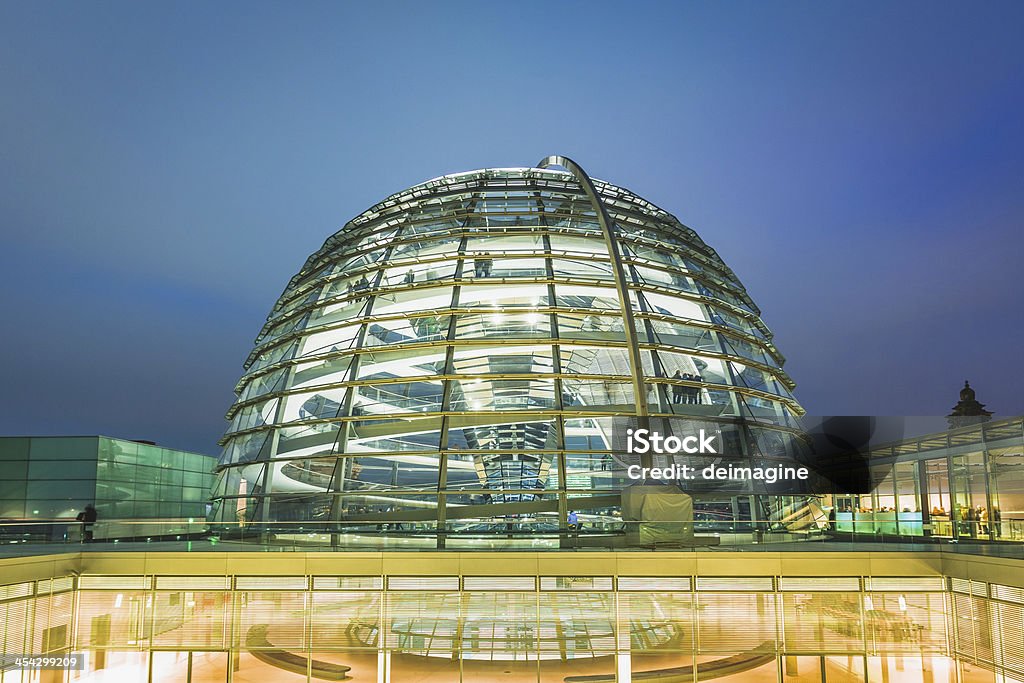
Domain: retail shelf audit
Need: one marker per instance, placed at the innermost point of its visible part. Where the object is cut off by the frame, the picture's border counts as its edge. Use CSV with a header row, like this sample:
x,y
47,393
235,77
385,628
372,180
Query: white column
x,y
623,656
623,667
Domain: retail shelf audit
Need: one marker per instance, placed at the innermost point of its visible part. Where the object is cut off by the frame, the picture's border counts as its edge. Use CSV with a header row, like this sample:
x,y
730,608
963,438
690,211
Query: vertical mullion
x,y
449,382
607,225
556,360
342,465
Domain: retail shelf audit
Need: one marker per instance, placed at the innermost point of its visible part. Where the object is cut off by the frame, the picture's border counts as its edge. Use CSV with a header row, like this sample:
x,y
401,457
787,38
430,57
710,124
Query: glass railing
x,y
61,536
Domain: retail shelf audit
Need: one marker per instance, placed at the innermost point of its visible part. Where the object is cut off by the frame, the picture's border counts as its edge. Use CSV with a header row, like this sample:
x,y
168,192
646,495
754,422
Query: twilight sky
x,y
166,168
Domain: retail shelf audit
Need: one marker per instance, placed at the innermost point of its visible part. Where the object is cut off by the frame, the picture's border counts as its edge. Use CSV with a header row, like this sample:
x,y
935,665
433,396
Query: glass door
x,y
940,506
180,666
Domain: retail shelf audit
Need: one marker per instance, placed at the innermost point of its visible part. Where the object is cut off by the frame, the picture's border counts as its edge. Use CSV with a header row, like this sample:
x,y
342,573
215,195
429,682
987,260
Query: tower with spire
x,y
968,411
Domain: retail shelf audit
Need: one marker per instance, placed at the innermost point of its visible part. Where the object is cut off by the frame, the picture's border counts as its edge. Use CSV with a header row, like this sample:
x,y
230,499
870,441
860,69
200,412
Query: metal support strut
x,y
621,283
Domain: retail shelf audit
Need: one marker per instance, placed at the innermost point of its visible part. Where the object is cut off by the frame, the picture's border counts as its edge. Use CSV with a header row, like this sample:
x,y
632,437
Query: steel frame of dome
x,y
450,359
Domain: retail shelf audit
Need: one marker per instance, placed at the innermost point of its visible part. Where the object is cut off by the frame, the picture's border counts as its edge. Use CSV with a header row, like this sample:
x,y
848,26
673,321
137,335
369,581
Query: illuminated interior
x,y
178,624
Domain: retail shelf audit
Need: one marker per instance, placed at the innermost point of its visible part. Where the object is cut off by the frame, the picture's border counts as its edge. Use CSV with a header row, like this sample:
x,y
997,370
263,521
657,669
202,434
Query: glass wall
x,y
965,484
52,479
164,483
575,629
47,478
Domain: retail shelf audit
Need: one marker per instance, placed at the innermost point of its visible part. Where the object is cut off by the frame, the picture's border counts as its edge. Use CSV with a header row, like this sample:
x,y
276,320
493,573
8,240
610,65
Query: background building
x,y
48,480
965,483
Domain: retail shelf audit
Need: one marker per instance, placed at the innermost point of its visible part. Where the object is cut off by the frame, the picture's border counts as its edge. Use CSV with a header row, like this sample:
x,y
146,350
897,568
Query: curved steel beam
x,y
621,283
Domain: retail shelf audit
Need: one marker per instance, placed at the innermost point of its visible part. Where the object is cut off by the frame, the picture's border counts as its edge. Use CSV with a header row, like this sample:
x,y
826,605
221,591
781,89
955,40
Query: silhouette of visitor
x,y
678,390
87,517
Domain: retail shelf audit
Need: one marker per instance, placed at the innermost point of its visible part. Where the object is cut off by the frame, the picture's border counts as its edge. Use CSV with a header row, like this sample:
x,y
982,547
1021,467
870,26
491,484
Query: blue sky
x,y
164,170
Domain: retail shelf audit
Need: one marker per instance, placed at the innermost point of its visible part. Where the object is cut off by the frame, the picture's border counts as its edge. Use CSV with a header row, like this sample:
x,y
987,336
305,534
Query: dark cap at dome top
x,y
967,394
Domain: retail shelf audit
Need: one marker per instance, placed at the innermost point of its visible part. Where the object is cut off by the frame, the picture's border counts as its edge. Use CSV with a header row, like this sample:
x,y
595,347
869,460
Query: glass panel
x,y
319,405
170,667
64,448
582,627
595,360
408,363
592,471
908,499
500,360
502,325
970,495
254,415
398,472
112,618
422,249
61,469
939,501
683,336
851,670
271,667
564,244
406,433
407,330
306,440
817,621
109,665
1007,488
403,303
416,273
584,297
531,243
583,270
316,373
505,297
349,618
590,326
588,434
209,667
802,669
271,619
914,621
605,395
398,397
673,306
736,621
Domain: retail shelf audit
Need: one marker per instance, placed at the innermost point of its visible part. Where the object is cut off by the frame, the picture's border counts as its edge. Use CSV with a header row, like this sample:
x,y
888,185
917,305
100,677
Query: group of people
x,y
885,508
360,285
686,394
978,520
482,267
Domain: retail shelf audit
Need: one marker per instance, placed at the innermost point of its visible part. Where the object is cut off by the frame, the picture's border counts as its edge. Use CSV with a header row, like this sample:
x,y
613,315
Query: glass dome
x,y
452,357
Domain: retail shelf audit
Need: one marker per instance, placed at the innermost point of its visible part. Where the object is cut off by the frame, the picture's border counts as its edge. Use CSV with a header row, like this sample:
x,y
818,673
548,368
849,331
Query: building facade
x,y
48,480
961,484
603,617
